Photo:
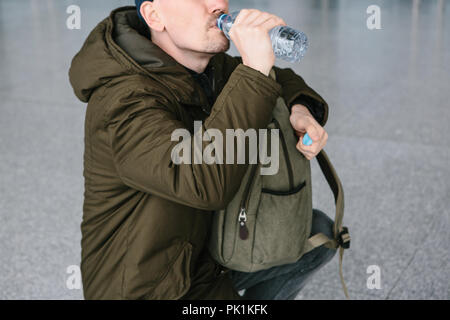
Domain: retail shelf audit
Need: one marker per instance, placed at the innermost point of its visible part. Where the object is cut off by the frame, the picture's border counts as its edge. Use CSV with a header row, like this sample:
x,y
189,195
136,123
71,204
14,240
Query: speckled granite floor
x,y
388,92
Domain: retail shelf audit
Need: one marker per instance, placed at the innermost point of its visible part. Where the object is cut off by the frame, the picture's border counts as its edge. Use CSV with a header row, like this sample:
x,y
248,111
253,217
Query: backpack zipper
x,y
242,218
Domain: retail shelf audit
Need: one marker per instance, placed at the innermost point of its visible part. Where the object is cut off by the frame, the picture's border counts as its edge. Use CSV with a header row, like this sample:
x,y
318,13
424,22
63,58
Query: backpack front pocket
x,y
284,193
281,231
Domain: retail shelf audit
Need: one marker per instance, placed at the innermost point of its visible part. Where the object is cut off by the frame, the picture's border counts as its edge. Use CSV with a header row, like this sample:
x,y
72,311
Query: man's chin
x,y
223,49
218,47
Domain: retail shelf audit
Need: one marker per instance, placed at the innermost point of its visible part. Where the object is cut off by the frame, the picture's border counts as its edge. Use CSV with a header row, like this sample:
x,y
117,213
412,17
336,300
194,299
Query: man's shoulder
x,y
134,82
122,97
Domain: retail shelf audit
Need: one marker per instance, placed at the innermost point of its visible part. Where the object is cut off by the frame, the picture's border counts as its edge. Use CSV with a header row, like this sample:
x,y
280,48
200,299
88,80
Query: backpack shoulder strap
x,y
341,238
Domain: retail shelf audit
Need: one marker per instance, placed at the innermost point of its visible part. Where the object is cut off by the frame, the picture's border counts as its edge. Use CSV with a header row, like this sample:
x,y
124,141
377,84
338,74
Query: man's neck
x,y
196,61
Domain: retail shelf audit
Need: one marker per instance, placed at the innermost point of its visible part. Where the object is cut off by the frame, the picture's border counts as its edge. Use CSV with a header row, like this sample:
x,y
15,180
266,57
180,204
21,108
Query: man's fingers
x,y
299,133
324,140
318,135
313,133
241,16
261,18
252,17
245,15
306,124
310,151
272,23
256,17
308,154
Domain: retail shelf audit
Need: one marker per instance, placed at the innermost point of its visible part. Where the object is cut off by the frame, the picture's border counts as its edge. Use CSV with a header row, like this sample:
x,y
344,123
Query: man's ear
x,y
150,15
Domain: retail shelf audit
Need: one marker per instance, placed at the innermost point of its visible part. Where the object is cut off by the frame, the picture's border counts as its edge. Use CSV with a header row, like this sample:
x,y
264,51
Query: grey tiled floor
x,y
388,92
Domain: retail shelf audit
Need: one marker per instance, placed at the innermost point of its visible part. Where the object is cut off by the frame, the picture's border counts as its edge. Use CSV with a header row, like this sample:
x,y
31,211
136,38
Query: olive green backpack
x,y
268,222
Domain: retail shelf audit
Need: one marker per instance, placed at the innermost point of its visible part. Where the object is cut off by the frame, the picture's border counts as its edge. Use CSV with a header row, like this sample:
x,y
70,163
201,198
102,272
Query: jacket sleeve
x,y
295,90
140,139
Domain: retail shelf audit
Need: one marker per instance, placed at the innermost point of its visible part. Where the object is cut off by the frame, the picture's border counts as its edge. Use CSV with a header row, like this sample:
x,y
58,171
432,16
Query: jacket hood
x,y
120,45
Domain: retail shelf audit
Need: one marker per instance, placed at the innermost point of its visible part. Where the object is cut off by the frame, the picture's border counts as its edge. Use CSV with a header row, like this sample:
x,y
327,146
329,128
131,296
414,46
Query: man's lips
x,y
214,24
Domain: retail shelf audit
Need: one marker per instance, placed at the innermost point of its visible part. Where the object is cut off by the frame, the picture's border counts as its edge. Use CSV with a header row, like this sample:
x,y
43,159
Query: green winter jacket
x,y
145,220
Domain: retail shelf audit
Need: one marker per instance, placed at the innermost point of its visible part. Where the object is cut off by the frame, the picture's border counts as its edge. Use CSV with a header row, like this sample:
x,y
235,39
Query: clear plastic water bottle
x,y
288,44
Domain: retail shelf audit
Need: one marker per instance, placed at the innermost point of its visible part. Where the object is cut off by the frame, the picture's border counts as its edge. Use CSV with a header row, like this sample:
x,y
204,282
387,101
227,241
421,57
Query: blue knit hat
x,y
138,7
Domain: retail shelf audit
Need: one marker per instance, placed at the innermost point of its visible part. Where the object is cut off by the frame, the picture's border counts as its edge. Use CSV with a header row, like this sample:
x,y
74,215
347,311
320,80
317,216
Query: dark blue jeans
x,y
285,282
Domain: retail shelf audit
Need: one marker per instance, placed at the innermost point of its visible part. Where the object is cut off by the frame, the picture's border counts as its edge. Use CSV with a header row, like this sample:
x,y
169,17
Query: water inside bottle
x,y
290,44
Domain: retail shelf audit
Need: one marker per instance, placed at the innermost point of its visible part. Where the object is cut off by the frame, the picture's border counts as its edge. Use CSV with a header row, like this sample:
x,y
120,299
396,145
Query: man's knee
x,y
321,223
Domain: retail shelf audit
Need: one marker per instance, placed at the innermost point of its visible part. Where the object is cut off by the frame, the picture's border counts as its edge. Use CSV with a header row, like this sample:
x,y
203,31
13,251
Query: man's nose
x,y
217,7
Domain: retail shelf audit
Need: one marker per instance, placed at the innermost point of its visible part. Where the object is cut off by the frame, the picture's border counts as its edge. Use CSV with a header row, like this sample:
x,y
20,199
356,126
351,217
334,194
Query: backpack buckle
x,y
343,238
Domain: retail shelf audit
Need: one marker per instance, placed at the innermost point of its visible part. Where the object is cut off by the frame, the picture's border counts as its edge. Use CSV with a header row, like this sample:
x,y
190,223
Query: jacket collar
x,y
130,38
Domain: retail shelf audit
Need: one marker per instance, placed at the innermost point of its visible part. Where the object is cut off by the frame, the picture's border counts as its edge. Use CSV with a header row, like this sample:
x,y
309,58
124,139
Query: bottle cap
x,y
307,140
219,21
